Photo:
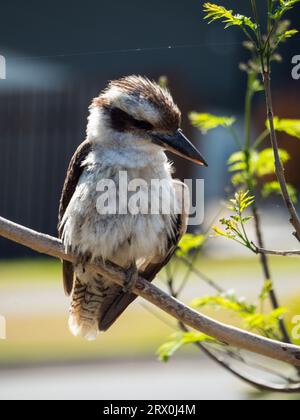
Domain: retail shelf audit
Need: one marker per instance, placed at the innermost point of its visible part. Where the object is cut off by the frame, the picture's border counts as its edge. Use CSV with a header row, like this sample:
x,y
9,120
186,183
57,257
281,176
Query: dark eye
x,y
121,121
142,125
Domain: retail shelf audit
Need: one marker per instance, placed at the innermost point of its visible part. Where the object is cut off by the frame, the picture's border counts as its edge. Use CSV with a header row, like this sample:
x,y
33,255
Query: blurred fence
x,y
39,131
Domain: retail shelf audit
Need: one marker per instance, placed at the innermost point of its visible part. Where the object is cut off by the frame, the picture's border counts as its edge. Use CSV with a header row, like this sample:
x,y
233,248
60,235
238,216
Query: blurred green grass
x,y
49,270
44,337
47,338
28,270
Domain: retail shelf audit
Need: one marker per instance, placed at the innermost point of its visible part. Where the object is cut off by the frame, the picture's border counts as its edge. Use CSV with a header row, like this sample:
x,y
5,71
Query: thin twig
x,y
225,334
202,276
261,138
260,384
275,252
267,273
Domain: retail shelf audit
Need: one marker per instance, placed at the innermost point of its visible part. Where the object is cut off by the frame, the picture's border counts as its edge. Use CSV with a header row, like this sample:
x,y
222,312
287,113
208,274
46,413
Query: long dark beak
x,y
179,145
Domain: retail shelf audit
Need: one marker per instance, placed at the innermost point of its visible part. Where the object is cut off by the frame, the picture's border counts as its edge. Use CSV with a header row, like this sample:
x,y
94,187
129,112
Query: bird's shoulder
x,y
74,173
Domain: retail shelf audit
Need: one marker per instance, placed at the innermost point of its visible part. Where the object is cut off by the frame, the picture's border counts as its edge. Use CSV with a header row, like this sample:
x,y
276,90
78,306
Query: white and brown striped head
x,y
136,112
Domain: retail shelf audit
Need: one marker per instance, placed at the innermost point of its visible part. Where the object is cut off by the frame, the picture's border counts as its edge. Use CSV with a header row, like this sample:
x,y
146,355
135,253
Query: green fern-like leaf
x,y
274,188
288,126
264,164
228,302
215,12
178,340
188,243
205,122
260,164
283,7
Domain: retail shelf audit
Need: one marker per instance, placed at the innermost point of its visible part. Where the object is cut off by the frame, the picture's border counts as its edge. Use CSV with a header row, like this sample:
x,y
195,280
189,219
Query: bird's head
x,y
134,112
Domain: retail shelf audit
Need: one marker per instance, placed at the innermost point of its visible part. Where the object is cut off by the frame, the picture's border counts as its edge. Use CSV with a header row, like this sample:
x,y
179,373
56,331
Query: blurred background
x,y
59,56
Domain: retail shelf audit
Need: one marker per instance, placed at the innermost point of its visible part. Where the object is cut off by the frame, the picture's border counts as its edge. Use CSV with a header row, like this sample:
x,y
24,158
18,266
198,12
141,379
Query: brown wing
x,y
74,173
123,300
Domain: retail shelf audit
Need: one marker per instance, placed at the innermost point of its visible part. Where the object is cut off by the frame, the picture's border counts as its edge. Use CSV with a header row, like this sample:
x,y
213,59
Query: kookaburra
x,y
130,126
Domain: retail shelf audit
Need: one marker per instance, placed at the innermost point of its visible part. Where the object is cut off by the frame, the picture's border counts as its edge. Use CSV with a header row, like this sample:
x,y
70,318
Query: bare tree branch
x,y
225,334
275,252
279,169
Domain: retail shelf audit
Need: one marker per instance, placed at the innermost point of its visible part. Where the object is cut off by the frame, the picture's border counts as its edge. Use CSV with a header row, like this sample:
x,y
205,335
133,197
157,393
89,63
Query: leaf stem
x,y
258,30
235,136
261,138
248,110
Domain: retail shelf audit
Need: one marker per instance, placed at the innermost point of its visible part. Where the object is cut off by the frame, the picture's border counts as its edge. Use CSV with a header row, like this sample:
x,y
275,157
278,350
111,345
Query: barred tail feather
x,y
87,300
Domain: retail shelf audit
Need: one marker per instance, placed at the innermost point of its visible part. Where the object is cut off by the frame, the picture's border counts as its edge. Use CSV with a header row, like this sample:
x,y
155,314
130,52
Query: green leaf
x,y
220,232
237,167
290,33
239,179
265,292
284,6
284,36
237,163
266,323
265,165
167,350
178,340
206,122
241,202
188,243
288,3
229,302
274,188
215,12
288,126
235,224
163,82
257,86
260,164
236,157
